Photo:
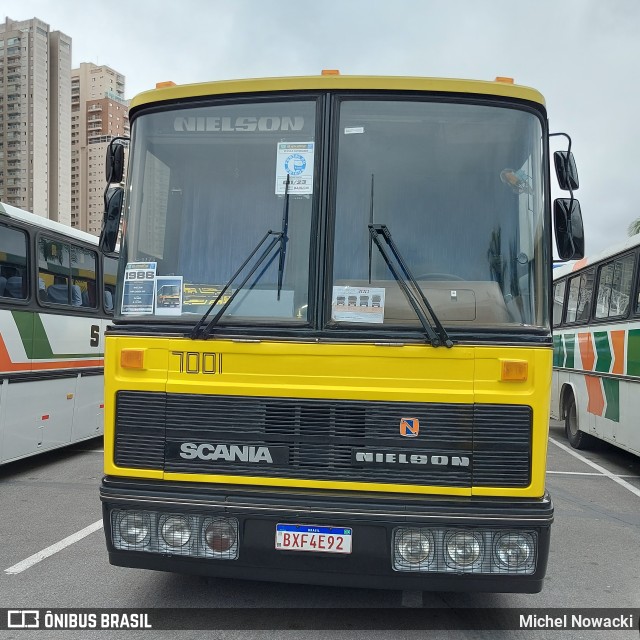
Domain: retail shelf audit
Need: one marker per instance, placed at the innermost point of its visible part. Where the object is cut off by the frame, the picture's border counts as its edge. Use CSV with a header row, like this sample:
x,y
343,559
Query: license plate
x,y
296,537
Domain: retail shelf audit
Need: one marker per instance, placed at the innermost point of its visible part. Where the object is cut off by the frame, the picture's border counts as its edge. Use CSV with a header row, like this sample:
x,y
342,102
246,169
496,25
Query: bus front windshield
x,y
459,186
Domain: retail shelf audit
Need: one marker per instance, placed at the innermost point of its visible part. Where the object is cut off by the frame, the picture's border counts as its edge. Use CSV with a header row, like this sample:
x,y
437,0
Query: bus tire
x,y
577,439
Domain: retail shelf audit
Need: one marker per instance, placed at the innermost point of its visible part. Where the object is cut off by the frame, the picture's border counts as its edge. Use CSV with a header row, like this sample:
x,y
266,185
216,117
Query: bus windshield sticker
x,y
349,130
294,159
139,286
358,304
169,295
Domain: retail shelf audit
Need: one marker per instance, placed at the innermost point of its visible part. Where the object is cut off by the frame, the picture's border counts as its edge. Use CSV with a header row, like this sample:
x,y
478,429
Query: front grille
x,y
319,438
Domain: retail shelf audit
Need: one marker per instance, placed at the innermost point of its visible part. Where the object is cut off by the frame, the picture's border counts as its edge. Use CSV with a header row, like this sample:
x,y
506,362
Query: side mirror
x,y
567,219
111,221
114,167
566,170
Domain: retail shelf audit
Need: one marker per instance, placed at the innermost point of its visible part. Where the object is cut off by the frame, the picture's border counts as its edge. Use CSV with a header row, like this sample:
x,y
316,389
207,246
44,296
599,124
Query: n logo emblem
x,y
409,427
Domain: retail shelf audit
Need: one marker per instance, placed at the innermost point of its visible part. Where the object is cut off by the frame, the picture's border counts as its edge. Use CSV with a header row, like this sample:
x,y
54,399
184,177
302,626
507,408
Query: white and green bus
x,y
56,297
596,365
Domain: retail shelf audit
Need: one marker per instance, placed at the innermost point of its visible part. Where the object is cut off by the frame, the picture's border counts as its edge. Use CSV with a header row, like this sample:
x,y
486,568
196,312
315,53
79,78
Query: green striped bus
x,y
56,297
596,361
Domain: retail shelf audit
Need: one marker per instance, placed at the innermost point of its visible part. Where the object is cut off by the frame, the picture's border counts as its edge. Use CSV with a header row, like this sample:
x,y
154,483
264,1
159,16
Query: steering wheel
x,y
438,276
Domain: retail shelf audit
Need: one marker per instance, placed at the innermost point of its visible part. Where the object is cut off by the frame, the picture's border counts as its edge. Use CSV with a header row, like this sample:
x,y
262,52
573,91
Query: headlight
x,y
220,535
413,546
463,548
134,527
175,531
514,550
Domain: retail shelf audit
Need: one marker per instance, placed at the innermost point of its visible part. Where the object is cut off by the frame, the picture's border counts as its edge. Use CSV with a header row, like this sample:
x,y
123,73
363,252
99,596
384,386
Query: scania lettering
x,y
223,452
357,366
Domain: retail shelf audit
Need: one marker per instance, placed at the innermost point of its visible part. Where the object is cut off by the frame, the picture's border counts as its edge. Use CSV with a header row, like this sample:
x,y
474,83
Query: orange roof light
x,y
166,83
330,72
504,79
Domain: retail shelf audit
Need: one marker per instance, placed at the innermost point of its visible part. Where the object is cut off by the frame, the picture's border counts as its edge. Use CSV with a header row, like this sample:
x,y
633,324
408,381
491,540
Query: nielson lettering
x,y
228,453
370,457
265,123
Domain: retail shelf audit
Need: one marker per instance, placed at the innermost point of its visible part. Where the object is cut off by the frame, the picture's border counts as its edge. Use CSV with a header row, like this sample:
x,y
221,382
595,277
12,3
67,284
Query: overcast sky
x,y
582,55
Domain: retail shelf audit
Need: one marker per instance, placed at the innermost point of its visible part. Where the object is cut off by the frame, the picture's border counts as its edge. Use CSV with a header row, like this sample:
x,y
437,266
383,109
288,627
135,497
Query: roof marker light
x,y
504,79
330,72
167,83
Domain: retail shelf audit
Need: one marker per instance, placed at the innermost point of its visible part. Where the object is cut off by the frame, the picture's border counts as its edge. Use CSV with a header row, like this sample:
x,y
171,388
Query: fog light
x,y
175,531
413,545
220,535
514,550
134,527
463,548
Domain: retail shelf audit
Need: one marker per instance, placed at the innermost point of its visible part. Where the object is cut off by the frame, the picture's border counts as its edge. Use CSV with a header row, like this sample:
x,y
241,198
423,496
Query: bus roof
x,y
8,211
499,87
620,247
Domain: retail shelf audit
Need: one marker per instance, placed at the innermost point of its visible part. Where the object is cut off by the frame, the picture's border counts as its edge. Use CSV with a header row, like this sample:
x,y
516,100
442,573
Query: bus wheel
x,y
577,439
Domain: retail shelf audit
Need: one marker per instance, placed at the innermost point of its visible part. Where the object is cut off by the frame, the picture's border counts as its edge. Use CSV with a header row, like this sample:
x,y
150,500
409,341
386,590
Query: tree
x,y
634,227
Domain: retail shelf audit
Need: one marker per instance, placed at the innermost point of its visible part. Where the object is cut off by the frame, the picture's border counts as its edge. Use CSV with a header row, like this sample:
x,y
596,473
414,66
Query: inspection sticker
x,y
294,159
358,304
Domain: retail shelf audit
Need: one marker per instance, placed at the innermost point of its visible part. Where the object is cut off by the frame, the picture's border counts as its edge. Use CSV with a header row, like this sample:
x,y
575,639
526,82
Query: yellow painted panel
x,y
533,392
334,82
152,378
317,484
410,373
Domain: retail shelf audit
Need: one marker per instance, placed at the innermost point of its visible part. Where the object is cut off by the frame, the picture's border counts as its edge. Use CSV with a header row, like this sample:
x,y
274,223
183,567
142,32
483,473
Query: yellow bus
x,y
365,400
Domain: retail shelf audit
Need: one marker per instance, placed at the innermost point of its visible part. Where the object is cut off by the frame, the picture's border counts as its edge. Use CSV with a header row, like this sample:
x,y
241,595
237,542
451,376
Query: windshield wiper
x,y
283,235
276,237
413,294
281,238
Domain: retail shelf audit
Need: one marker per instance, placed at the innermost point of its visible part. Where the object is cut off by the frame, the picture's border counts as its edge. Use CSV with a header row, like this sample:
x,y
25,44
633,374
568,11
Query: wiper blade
x,y
283,235
275,238
415,294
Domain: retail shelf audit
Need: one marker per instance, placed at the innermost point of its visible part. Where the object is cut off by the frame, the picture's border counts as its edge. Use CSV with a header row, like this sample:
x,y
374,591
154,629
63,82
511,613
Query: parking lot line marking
x,y
577,473
588,473
54,548
597,467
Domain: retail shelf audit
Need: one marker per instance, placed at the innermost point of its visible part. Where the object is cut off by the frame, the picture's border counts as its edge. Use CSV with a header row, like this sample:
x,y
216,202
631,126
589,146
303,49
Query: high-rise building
x,y
35,118
99,113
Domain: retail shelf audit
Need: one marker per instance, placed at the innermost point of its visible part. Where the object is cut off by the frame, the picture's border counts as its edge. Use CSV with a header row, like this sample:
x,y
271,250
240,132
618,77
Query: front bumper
x,y
373,517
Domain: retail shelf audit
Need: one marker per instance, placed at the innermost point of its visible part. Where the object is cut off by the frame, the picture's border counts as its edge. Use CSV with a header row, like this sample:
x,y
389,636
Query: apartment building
x,y
99,112
35,118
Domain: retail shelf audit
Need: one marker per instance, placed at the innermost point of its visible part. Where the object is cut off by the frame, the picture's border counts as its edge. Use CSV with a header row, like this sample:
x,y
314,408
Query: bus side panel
x,y
19,434
88,408
51,406
621,427
600,365
626,432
